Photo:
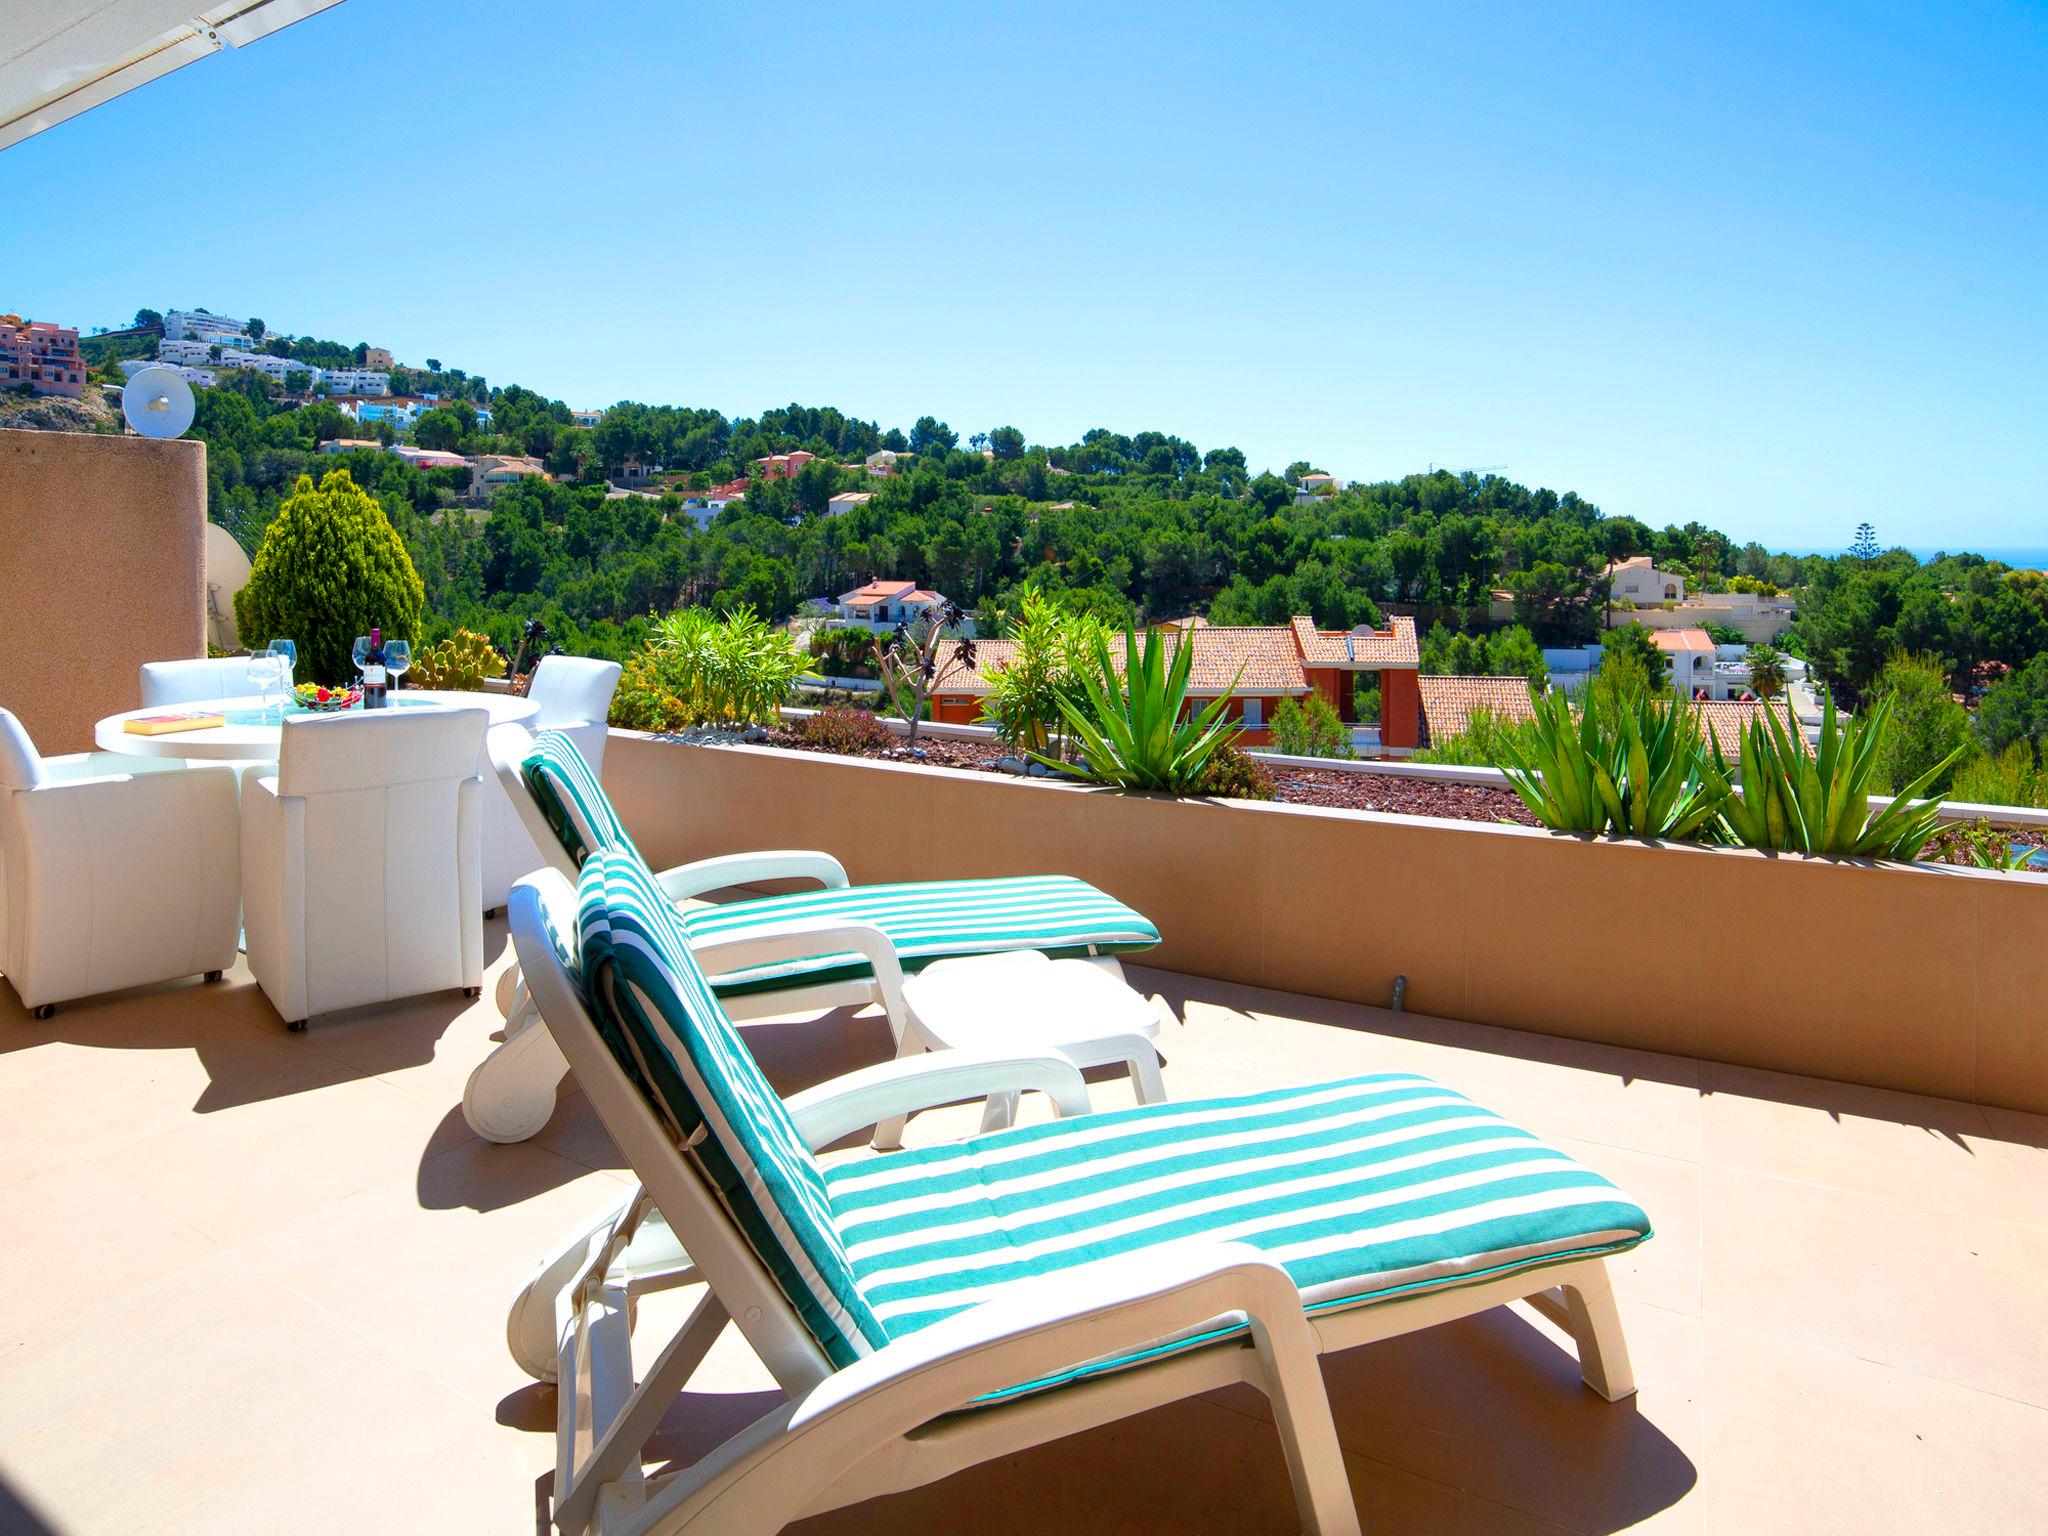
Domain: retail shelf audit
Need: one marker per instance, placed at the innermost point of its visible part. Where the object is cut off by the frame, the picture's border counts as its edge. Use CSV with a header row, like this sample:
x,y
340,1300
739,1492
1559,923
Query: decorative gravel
x,y
1296,786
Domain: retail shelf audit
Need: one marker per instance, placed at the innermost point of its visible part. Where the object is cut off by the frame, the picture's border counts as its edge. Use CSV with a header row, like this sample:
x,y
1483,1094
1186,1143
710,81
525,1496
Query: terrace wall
x,y
102,567
1927,979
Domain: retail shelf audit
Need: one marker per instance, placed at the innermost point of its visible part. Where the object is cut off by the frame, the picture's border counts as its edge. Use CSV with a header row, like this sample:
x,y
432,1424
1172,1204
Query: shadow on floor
x,y
1950,1119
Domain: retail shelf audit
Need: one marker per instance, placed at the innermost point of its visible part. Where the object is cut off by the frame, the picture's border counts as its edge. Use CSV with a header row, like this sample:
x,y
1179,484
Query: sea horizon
x,y
2020,557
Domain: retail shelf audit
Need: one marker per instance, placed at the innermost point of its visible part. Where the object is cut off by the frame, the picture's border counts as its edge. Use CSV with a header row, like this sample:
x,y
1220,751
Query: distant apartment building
x,y
356,381
783,466
378,357
190,352
884,461
42,356
400,410
586,418
351,444
199,378
198,325
846,501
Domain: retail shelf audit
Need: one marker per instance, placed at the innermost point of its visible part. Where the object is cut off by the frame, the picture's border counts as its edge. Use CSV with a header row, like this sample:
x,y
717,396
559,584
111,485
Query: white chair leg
x,y
999,1113
530,1326
888,1135
1596,1325
511,1094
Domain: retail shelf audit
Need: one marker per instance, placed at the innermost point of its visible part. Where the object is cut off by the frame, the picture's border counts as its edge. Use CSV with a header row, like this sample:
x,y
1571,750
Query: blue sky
x,y
1780,272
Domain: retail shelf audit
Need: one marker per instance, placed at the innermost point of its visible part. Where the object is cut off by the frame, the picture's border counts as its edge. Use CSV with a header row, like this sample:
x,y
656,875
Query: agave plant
x,y
1636,767
1130,728
1818,800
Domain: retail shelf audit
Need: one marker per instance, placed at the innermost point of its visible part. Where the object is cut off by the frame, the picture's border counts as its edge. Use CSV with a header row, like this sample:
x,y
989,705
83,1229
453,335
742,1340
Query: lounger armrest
x,y
807,941
904,1087
696,878
788,1462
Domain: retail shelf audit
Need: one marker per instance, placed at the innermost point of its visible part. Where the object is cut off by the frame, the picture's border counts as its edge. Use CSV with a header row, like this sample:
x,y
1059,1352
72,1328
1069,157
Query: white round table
x,y
247,740
508,850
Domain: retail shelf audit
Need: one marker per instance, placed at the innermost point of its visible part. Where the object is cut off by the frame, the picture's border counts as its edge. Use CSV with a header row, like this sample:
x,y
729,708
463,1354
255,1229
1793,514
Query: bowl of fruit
x,y
325,700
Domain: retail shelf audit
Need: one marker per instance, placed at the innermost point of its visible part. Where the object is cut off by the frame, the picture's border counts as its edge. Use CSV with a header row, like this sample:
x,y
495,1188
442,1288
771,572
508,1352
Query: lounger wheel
x,y
502,1107
45,1010
507,990
215,975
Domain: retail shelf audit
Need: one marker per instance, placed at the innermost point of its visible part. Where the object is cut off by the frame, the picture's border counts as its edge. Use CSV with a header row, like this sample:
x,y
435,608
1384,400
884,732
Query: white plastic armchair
x,y
572,694
199,681
114,871
362,861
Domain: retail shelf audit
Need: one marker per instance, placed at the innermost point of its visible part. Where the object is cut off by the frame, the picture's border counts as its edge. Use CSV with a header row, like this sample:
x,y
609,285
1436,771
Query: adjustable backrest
x,y
21,765
568,689
665,1027
190,682
578,811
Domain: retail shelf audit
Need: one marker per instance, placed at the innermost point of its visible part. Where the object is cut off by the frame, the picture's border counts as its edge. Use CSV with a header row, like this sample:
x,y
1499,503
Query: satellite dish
x,y
158,402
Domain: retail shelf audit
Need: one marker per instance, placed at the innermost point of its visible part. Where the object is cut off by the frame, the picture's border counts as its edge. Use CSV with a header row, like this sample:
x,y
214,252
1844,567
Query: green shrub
x,y
2010,778
1052,649
1766,670
1309,728
1480,745
330,567
1637,768
1231,775
1130,727
849,732
698,669
1927,725
460,662
1807,800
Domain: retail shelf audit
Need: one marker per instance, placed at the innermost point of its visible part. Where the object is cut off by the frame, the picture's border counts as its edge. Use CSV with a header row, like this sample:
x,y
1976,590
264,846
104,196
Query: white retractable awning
x,y
60,57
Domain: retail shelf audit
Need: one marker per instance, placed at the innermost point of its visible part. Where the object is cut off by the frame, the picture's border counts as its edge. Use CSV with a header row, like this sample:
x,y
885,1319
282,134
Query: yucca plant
x,y
1635,767
1130,728
1817,800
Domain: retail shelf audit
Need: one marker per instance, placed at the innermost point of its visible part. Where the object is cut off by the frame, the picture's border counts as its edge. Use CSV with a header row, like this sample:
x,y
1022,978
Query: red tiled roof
x,y
1239,660
880,592
1727,720
1682,639
1448,702
1366,650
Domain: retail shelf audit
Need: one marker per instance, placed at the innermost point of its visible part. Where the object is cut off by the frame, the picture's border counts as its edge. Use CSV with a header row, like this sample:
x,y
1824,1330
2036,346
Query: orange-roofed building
x,y
882,604
1254,666
1448,703
783,466
42,356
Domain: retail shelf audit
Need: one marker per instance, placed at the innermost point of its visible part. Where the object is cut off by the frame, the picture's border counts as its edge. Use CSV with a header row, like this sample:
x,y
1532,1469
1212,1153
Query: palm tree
x,y
1766,671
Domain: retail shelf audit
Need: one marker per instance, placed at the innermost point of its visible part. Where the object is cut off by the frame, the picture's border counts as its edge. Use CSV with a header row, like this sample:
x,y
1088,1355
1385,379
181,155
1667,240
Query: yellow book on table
x,y
163,725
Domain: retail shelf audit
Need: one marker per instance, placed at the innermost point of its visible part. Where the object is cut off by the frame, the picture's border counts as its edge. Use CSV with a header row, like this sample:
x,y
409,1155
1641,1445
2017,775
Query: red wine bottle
x,y
374,674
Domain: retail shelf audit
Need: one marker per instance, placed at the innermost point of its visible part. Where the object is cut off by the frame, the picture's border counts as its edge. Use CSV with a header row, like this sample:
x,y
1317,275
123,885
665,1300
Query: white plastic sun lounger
x,y
567,813
928,1310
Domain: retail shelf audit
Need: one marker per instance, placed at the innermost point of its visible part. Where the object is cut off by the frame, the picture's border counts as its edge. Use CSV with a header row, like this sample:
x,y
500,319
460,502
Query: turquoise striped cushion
x,y
575,805
1365,1190
928,921
662,1022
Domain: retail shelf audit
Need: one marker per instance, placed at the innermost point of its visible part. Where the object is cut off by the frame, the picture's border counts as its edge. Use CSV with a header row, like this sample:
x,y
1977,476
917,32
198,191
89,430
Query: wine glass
x,y
266,672
361,651
289,650
397,657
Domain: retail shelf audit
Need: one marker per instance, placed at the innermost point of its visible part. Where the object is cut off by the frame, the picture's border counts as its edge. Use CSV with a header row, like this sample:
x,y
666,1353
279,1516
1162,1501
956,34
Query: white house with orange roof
x,y
883,604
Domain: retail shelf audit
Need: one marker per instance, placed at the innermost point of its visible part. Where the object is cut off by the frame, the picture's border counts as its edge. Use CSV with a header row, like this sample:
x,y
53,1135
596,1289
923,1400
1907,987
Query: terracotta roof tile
x,y
1265,653
1448,702
1728,720
1682,639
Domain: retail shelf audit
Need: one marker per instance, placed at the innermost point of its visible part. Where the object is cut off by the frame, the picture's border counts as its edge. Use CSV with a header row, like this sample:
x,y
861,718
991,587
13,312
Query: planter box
x,y
1925,978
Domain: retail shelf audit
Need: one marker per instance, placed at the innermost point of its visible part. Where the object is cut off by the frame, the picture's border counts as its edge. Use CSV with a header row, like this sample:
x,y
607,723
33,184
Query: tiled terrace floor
x,y
254,1283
